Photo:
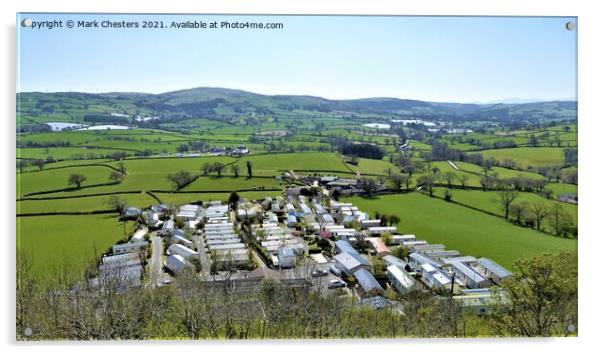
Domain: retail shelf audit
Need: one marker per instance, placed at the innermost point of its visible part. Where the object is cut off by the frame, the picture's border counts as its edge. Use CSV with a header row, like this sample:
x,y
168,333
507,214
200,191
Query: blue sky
x,y
459,59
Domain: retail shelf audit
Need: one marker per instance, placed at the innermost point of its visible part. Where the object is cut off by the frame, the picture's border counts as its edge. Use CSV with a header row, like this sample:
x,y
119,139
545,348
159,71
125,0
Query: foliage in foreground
x,y
540,301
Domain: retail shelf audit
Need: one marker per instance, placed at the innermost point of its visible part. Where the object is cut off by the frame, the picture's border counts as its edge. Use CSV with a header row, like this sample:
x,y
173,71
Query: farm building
x,y
181,250
129,247
367,281
492,270
469,276
400,279
286,257
434,278
176,263
351,262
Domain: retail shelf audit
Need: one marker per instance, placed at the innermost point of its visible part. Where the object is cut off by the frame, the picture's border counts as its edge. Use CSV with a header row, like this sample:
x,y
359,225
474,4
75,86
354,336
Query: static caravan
x,y
400,279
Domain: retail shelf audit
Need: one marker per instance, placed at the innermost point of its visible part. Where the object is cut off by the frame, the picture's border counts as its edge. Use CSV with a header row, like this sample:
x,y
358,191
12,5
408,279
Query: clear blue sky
x,y
460,59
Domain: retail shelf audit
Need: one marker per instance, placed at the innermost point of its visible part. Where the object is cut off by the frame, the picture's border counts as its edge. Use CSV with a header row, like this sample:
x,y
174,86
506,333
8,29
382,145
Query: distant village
x,y
303,238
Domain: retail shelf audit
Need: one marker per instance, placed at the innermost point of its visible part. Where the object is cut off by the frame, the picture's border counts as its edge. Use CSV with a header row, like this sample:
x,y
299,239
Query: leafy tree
x,y
180,179
463,180
506,198
540,211
570,157
250,169
116,203
219,168
386,238
235,170
233,199
427,181
121,168
116,176
21,164
118,155
448,195
39,163
369,186
77,179
206,168
540,300
449,177
559,220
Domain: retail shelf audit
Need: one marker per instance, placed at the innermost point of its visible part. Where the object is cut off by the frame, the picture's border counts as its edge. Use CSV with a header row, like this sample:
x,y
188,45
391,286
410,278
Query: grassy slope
x,y
471,232
48,241
528,156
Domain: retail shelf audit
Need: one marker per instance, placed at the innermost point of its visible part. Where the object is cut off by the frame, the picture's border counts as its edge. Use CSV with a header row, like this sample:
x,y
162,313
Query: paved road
x,y
155,265
205,261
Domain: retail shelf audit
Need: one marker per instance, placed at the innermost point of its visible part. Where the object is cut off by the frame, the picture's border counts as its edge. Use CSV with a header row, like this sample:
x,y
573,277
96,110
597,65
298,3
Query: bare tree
x,y
540,212
506,198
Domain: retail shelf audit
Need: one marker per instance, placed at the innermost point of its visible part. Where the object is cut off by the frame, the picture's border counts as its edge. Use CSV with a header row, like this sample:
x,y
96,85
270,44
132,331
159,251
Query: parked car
x,y
318,273
336,283
334,270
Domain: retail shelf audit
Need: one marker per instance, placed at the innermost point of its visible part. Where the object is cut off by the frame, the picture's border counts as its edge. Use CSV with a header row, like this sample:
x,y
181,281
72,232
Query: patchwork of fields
x,y
51,239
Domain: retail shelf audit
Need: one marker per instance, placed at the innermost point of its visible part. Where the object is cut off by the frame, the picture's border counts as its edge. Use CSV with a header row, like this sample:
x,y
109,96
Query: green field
x,y
489,200
468,231
82,204
528,156
57,241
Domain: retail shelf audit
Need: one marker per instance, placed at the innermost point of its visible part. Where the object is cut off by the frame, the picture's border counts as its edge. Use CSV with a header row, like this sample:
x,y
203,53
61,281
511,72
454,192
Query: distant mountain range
x,y
221,102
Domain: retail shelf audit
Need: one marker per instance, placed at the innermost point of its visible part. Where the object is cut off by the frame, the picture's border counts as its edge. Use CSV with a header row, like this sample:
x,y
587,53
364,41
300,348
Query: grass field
x,y
57,179
489,200
372,166
468,231
50,242
528,156
83,204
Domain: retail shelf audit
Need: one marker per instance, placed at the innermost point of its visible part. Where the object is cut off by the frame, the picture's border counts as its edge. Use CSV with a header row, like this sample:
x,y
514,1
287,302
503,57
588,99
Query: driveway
x,y
155,265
